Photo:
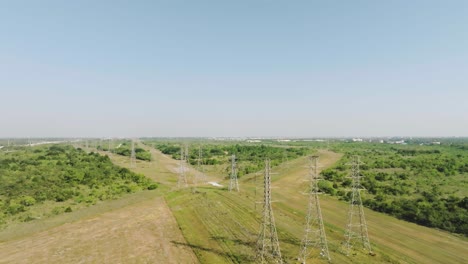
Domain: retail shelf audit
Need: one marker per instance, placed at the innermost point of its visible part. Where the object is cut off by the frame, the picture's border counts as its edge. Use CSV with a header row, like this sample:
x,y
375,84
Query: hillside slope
x,y
136,228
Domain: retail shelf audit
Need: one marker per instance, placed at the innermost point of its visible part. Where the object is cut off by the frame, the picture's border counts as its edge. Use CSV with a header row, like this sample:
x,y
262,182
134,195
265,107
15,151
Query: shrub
x,y
28,201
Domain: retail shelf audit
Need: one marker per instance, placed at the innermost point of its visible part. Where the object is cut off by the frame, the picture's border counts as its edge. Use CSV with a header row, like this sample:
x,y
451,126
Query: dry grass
x,y
141,233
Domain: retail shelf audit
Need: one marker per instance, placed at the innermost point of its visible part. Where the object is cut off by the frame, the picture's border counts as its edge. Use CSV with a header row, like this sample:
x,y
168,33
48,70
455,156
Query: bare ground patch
x,y
141,233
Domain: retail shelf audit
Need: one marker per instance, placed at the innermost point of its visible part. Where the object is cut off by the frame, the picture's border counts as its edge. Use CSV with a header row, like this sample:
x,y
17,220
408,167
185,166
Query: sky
x,y
233,68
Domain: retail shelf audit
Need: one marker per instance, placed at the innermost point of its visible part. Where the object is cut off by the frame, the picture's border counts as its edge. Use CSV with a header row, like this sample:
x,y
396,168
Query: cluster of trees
x,y
416,183
249,158
59,173
430,209
125,150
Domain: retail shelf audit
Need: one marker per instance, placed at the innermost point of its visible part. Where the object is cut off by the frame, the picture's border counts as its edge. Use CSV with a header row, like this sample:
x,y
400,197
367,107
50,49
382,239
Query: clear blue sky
x,y
234,68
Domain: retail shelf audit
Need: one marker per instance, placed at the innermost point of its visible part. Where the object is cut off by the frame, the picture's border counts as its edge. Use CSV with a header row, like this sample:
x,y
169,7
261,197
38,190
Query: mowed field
x,y
217,226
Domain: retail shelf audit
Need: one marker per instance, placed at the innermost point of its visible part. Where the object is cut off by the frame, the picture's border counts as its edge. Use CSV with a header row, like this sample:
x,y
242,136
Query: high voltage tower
x,y
133,156
201,177
285,159
314,235
233,183
182,182
357,227
268,249
110,145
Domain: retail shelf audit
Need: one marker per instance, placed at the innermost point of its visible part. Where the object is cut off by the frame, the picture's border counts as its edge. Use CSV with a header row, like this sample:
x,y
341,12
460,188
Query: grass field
x,y
211,225
221,227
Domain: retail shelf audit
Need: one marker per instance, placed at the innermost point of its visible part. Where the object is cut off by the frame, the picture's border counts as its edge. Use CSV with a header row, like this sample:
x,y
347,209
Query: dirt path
x,y
143,233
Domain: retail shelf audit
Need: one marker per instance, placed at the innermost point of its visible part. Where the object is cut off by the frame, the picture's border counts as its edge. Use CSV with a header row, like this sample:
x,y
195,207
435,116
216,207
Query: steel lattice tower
x,y
133,155
233,183
110,145
357,227
182,182
268,249
201,174
314,234
285,159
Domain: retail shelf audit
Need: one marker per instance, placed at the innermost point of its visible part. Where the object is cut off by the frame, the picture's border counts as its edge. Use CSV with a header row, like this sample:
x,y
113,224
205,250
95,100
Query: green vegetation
x,y
250,158
59,178
421,182
426,185
124,149
222,227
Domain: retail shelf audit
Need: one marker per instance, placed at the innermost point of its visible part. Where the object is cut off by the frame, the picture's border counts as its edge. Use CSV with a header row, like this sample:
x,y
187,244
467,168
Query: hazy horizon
x,y
234,69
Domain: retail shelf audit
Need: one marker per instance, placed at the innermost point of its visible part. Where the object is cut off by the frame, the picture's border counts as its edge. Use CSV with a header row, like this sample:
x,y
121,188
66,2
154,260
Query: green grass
x,y
221,227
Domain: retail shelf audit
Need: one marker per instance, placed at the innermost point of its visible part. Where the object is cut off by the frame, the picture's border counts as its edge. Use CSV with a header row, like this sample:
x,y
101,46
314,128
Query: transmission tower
x,y
182,182
268,249
133,156
285,160
201,173
314,234
356,230
110,145
233,183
